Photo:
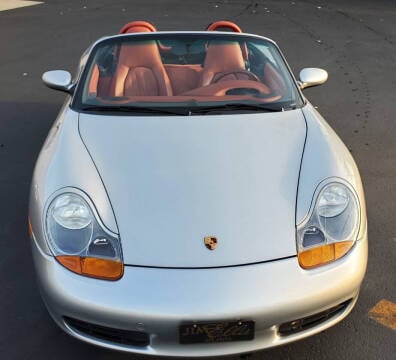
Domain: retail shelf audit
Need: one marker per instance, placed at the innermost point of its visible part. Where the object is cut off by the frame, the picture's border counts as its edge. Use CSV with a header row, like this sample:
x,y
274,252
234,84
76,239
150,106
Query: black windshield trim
x,y
188,109
135,110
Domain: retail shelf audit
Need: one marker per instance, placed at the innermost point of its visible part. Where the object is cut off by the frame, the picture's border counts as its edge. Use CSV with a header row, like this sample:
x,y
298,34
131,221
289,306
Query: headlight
x,y
332,228
71,212
79,242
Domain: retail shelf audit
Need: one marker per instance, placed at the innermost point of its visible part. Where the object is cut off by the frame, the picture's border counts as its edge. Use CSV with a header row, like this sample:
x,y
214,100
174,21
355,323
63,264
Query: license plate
x,y
216,332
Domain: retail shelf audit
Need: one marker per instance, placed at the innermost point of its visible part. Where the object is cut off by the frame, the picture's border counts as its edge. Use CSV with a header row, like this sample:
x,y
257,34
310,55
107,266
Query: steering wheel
x,y
233,87
237,74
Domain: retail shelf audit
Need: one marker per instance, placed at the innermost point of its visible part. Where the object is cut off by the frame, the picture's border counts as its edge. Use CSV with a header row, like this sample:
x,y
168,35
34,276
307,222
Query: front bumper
x,y
157,301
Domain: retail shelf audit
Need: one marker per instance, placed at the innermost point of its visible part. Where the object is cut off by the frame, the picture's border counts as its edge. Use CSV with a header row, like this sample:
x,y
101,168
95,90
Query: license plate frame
x,y
216,332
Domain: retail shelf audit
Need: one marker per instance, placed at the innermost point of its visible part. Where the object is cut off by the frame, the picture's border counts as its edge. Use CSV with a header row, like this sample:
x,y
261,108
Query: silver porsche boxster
x,y
190,201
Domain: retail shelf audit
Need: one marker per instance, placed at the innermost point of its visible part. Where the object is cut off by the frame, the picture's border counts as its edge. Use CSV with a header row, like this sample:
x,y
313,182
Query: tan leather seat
x,y
140,71
225,60
226,25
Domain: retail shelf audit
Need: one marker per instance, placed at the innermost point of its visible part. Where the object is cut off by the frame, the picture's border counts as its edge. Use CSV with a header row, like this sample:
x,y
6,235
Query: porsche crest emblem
x,y
210,242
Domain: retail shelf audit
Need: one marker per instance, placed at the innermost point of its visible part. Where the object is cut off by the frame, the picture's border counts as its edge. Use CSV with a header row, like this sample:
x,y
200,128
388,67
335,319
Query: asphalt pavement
x,y
353,40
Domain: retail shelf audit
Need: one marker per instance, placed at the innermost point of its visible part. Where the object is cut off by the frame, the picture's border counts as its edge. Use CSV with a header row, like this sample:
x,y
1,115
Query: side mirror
x,y
58,80
312,77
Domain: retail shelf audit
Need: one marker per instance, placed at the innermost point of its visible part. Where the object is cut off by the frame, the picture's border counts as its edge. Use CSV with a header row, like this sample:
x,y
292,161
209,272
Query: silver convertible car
x,y
190,201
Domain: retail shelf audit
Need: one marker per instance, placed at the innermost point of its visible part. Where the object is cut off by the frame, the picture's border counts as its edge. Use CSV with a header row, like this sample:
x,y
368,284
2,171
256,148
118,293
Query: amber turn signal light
x,y
325,254
93,267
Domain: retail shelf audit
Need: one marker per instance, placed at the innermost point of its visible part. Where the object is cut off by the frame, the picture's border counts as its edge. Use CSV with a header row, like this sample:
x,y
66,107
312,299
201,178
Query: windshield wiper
x,y
237,107
189,110
136,109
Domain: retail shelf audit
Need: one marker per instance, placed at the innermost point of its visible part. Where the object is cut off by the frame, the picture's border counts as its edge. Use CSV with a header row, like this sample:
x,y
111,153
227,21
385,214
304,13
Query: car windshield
x,y
186,73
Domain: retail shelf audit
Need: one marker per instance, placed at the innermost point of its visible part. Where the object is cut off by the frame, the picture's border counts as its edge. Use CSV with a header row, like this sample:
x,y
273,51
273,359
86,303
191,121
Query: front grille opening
x,y
125,337
298,325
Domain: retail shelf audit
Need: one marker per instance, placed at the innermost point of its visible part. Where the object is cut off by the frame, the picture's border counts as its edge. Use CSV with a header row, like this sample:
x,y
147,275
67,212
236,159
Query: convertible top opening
x,y
143,65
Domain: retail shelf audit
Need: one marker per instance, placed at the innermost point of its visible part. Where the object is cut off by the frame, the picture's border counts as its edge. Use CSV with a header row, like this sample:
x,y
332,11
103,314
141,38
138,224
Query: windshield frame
x,y
78,105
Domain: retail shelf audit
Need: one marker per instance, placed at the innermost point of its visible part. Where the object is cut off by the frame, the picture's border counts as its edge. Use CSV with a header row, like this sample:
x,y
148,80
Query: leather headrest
x,y
222,25
137,26
144,54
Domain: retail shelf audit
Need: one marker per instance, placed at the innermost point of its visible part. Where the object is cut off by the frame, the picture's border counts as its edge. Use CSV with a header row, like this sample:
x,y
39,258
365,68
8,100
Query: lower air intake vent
x,y
297,325
125,337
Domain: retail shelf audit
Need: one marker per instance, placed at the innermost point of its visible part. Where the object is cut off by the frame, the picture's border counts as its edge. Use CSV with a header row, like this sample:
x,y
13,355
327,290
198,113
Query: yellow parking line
x,y
384,312
15,4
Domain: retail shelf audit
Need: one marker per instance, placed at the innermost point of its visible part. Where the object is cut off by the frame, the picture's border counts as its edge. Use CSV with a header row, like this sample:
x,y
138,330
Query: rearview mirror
x,y
58,80
312,77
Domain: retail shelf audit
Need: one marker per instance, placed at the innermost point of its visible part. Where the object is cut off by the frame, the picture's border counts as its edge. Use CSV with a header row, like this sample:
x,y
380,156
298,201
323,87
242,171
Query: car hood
x,y
174,180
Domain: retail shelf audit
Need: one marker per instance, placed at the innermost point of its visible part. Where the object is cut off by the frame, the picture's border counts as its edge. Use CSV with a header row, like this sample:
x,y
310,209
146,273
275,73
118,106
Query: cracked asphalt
x,y
354,41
